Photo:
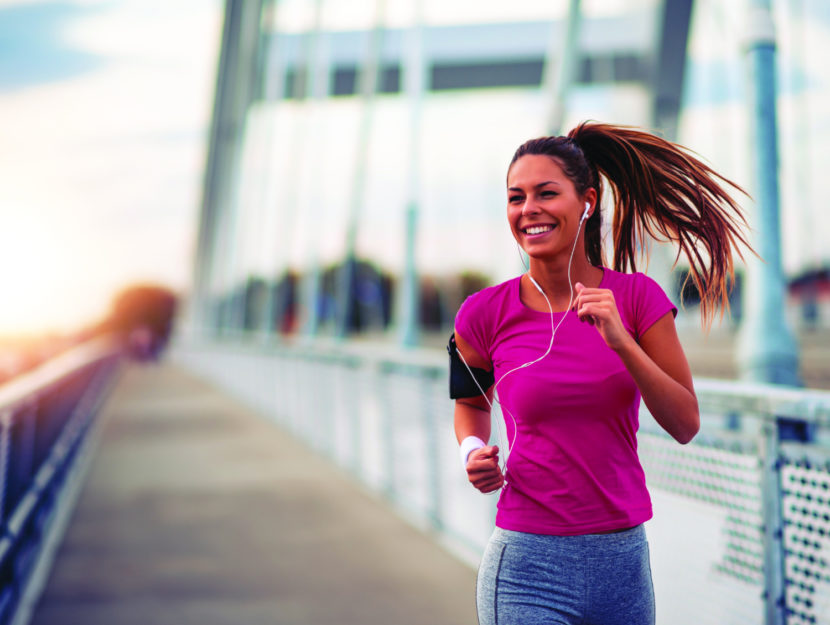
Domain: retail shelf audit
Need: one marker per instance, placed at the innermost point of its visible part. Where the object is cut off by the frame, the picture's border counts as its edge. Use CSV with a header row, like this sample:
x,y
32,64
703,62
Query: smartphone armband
x,y
462,382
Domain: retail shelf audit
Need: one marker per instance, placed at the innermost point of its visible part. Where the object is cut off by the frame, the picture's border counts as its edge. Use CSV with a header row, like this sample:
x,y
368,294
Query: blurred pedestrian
x,y
141,318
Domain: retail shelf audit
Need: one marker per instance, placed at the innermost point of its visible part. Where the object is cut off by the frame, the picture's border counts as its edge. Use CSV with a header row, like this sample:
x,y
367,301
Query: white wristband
x,y
469,445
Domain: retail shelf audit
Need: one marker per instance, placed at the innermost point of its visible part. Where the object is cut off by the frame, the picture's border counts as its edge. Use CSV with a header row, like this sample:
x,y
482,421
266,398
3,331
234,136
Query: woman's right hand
x,y
483,469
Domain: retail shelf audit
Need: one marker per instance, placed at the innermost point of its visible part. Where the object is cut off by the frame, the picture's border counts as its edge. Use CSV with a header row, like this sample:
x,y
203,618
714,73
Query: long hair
x,y
659,189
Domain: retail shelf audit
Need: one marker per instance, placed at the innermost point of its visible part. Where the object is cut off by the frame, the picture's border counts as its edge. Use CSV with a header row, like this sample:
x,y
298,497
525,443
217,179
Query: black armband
x,y
462,384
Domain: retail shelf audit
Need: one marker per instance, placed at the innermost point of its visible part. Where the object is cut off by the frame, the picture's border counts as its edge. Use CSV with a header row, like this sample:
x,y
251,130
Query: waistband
x,y
616,542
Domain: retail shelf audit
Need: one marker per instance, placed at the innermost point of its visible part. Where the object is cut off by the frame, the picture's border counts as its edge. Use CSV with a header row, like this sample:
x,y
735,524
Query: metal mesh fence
x,y
805,492
714,545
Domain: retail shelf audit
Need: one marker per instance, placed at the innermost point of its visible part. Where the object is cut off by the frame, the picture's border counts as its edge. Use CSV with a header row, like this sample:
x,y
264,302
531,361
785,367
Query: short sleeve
x,y
650,303
471,322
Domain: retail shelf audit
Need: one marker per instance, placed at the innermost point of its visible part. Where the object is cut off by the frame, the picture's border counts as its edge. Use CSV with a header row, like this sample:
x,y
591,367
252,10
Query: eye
x,y
513,199
548,194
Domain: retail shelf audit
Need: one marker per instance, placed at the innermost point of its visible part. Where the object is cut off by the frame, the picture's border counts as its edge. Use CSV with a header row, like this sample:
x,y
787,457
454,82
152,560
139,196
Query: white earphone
x,y
585,214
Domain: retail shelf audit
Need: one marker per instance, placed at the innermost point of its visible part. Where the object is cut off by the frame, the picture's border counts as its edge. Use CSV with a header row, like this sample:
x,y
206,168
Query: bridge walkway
x,y
196,510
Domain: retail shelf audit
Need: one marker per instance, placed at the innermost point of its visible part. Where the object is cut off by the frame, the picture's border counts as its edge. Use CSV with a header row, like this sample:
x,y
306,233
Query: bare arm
x,y
661,371
657,363
472,418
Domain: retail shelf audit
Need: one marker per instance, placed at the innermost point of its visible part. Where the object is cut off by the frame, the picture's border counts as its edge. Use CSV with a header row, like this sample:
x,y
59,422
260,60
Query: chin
x,y
541,256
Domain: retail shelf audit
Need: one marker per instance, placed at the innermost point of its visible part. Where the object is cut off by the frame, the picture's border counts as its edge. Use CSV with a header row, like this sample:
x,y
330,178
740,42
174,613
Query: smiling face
x,y
543,206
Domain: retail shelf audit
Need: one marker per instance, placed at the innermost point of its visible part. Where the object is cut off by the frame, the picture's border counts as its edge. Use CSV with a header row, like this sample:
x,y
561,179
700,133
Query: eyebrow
x,y
541,184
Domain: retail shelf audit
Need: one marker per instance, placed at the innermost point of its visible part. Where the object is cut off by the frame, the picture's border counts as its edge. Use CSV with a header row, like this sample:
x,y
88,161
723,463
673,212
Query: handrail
x,y
760,400
45,417
768,401
20,389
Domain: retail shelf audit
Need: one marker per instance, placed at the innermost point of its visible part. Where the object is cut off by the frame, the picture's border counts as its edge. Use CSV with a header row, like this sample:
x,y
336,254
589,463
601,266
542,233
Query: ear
x,y
590,198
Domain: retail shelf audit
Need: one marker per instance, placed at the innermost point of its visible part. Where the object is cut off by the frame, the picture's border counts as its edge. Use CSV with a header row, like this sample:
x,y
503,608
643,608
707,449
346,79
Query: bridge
x,y
280,466
290,484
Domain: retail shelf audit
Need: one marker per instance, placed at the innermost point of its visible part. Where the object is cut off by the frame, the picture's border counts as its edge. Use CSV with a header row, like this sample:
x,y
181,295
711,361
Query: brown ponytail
x,y
660,190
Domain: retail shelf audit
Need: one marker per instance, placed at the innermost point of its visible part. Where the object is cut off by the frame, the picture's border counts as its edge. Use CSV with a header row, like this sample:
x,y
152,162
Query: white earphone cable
x,y
554,329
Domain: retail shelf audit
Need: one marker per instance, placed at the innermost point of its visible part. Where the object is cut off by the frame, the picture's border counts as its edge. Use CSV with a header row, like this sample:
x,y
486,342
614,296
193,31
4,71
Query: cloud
x,y
33,50
102,169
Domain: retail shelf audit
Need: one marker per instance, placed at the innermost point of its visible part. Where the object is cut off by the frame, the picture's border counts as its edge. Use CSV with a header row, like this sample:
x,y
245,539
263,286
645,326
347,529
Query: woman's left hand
x,y
599,308
656,361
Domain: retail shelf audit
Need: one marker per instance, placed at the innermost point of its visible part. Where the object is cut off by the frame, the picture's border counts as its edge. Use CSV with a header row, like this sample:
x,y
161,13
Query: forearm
x,y
472,418
672,404
480,461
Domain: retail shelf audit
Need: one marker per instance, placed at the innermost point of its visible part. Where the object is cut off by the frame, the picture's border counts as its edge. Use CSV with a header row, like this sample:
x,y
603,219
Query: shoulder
x,y
481,313
490,298
635,284
640,299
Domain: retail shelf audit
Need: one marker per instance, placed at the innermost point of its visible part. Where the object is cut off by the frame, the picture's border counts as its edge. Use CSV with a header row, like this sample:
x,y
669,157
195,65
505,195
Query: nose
x,y
529,207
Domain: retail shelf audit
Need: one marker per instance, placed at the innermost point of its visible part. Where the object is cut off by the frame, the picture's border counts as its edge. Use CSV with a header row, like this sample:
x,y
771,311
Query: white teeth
x,y
538,229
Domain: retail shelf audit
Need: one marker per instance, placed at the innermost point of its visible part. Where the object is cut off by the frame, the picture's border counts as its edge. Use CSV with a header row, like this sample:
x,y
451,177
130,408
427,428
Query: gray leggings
x,y
595,579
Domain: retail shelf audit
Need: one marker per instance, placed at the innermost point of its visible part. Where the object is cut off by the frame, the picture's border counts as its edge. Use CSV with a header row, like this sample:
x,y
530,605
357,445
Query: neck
x,y
552,276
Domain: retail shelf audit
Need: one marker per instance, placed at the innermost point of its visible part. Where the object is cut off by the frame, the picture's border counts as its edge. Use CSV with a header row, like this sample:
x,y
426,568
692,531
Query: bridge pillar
x,y
767,350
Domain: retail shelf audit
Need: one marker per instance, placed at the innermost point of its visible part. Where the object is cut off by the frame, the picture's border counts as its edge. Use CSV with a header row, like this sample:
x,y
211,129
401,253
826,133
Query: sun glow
x,y
40,286
102,163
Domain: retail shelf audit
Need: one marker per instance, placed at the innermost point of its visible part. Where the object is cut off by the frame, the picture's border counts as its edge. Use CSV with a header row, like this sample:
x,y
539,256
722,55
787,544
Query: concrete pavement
x,y
198,511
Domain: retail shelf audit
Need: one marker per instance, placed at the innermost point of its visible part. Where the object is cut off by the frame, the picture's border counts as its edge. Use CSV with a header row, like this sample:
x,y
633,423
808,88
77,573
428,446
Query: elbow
x,y
689,429
685,424
687,435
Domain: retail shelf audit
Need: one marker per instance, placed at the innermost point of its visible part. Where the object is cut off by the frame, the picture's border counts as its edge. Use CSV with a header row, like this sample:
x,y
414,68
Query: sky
x,y
105,106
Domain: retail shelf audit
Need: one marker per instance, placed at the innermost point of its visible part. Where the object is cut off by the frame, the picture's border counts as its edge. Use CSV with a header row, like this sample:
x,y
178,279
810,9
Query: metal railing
x,y
741,532
45,416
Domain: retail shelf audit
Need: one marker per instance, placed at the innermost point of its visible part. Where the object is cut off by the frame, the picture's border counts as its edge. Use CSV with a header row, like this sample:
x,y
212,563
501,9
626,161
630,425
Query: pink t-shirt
x,y
573,468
